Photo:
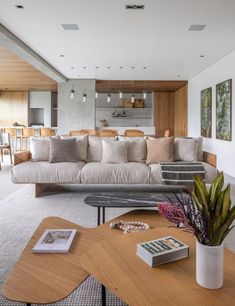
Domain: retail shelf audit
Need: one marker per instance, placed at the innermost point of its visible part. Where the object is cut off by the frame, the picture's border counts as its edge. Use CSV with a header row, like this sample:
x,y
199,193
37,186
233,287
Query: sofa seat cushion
x,y
128,173
44,172
156,177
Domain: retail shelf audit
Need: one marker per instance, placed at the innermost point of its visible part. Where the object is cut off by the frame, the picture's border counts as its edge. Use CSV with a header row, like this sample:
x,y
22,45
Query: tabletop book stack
x,y
163,250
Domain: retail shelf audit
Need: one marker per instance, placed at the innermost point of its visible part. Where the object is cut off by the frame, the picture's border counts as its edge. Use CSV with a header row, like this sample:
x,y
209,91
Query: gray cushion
x,y
128,173
44,172
63,150
82,144
186,149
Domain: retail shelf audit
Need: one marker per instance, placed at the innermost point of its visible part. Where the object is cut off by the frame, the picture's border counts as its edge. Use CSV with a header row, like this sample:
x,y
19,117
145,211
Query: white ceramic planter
x,y
209,265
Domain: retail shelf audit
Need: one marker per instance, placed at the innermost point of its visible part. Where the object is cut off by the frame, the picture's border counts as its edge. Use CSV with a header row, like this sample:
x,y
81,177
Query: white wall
x,y
218,72
40,99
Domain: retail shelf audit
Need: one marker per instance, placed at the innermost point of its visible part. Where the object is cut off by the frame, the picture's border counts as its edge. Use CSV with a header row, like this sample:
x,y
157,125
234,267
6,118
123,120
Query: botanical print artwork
x,y
206,104
224,110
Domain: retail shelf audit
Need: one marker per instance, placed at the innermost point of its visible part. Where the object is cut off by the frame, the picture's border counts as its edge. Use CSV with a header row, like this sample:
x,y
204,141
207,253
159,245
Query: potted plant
x,y
207,214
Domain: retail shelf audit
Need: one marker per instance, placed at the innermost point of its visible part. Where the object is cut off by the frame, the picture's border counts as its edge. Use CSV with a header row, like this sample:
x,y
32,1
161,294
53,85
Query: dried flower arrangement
x,y
207,214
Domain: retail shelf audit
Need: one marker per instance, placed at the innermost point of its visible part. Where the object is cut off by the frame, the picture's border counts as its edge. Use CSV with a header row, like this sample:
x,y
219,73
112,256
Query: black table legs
x,y
28,304
103,295
103,289
99,215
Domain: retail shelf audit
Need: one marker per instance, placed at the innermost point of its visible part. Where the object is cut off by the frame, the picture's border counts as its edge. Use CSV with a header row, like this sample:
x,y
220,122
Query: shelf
x,y
131,118
127,109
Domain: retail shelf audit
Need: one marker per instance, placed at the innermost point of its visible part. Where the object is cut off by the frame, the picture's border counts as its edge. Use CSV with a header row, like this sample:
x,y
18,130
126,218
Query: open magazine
x,y
55,241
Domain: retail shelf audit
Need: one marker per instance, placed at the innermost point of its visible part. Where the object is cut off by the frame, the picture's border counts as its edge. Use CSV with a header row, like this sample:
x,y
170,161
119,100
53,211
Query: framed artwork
x,y
224,110
206,110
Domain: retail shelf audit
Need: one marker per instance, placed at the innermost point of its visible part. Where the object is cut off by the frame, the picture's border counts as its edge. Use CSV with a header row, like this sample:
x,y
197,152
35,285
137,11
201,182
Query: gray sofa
x,y
29,169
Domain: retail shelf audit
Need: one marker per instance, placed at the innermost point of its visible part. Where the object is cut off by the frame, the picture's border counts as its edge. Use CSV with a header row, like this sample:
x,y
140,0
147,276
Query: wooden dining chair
x,y
26,134
133,133
107,133
14,137
47,132
167,133
78,133
5,144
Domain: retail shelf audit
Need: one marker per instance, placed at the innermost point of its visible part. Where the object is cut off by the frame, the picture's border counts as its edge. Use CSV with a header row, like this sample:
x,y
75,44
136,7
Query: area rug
x,y
20,214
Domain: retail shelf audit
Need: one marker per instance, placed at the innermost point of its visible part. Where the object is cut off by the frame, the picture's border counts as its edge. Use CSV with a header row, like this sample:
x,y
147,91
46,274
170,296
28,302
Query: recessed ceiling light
x,y
202,55
197,27
135,6
19,6
70,26
61,55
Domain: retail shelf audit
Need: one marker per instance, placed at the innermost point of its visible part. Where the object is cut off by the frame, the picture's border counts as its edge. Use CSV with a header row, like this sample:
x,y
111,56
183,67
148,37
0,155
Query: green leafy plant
x,y
215,208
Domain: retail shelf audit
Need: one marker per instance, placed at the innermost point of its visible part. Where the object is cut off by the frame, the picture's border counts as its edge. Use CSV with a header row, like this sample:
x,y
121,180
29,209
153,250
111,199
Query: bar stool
x,y
107,133
26,134
13,137
47,132
133,133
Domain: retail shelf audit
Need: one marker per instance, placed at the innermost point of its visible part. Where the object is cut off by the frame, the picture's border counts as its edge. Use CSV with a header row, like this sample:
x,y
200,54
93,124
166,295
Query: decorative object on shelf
x,y
103,123
117,114
224,110
127,103
130,226
72,93
206,112
139,103
209,216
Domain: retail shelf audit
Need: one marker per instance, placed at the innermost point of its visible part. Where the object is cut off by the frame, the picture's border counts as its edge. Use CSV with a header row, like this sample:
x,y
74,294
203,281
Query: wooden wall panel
x,y
181,112
164,112
13,108
128,86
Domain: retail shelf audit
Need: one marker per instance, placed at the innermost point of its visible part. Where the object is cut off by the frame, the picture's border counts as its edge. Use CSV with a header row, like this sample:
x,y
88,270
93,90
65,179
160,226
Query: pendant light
x,y
72,92
133,95
84,96
144,90
96,93
109,94
120,84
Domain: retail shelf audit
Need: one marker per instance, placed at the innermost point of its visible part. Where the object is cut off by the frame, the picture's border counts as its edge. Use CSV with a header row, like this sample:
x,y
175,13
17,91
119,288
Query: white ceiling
x,y
156,37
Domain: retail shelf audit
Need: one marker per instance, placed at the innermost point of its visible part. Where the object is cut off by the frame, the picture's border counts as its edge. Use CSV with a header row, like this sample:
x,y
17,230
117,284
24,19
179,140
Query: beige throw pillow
x,y
137,148
95,148
63,150
186,149
40,149
114,151
160,150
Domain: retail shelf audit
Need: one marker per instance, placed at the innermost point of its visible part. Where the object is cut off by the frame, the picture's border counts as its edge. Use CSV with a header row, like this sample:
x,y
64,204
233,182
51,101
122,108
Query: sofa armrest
x,y
21,157
210,159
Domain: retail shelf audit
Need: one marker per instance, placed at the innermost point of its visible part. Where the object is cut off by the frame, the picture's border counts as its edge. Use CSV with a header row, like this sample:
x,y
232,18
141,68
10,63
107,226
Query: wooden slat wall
x,y
181,112
13,108
164,112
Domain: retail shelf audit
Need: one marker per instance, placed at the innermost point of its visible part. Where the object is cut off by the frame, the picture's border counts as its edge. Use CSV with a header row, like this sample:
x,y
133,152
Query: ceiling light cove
x,y
197,27
70,26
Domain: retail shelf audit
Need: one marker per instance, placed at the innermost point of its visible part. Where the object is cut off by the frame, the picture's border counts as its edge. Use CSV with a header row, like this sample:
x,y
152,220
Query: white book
x,y
55,241
163,250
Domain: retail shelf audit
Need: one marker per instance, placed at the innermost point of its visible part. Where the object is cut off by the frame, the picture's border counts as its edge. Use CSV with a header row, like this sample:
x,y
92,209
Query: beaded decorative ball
x,y
130,226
